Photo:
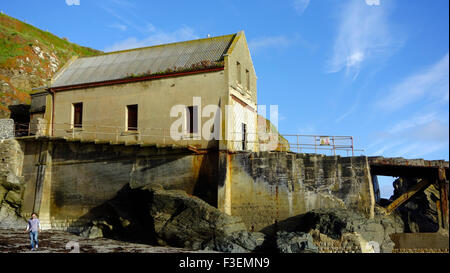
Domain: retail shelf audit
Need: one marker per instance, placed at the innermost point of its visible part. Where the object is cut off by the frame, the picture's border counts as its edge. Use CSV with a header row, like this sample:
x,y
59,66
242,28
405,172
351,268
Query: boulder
x,y
9,219
335,223
96,229
236,242
11,185
295,242
168,218
14,199
184,220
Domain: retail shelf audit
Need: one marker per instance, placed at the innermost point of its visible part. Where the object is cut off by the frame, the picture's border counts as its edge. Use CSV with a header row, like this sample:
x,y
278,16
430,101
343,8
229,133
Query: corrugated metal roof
x,y
148,60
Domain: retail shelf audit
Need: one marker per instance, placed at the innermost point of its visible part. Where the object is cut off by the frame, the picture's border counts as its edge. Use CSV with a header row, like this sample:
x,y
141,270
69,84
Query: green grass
x,y
9,49
28,34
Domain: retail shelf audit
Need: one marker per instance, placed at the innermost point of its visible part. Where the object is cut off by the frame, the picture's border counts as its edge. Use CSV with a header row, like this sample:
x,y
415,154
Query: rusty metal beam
x,y
443,189
407,195
196,150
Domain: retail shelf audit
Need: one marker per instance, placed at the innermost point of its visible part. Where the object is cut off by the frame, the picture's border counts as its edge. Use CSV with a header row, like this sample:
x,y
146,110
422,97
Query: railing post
x,y
315,145
334,147
352,146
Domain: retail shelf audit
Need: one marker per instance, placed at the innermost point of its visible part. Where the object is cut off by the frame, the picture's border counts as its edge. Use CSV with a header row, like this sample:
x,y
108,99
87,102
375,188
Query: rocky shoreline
x,y
52,241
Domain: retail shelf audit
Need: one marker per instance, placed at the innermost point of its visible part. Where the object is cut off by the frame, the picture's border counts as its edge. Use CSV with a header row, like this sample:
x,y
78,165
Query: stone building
x,y
200,93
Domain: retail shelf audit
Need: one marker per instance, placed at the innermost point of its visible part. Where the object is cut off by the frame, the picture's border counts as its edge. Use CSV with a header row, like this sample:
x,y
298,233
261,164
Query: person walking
x,y
34,227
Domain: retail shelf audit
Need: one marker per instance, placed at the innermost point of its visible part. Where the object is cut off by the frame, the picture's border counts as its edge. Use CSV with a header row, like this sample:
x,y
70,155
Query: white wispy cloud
x,y
363,34
430,84
412,122
349,111
156,37
419,135
386,146
421,99
301,5
124,19
147,33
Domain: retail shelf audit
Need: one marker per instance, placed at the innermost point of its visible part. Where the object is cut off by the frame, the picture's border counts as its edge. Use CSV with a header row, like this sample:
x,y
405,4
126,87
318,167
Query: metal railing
x,y
318,143
333,145
287,142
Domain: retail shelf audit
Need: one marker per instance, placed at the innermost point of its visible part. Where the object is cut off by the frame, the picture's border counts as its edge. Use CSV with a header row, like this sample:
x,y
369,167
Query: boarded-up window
x,y
78,115
244,136
238,73
247,79
132,117
192,119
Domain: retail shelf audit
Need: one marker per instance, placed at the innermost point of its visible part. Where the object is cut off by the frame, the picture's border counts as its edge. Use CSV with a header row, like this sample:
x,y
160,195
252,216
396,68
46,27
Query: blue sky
x,y
373,69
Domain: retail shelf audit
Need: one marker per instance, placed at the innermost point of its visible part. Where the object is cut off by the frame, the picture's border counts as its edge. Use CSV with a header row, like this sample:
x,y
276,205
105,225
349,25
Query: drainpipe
x,y
53,109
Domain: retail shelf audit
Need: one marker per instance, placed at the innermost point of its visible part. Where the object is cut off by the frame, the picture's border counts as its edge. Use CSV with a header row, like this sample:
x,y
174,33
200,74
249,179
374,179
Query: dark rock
x,y
11,185
168,218
187,221
335,223
236,242
96,229
295,242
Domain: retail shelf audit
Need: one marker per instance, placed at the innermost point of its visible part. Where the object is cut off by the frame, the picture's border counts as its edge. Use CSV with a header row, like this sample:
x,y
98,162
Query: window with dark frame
x,y
132,116
192,119
238,71
247,79
78,115
244,136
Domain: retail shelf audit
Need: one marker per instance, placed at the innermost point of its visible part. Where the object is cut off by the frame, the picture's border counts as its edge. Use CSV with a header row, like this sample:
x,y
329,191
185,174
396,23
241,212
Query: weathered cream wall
x,y
245,97
242,114
239,52
106,106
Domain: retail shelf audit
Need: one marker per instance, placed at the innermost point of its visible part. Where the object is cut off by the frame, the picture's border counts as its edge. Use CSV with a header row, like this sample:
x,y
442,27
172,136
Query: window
x,y
132,117
247,79
77,115
238,71
192,119
244,136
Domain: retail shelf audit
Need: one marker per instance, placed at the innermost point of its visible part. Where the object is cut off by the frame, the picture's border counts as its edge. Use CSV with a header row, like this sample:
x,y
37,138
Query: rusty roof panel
x,y
155,59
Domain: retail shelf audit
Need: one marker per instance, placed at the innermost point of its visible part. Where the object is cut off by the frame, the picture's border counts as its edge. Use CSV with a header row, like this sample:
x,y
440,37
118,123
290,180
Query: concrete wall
x,y
64,180
266,187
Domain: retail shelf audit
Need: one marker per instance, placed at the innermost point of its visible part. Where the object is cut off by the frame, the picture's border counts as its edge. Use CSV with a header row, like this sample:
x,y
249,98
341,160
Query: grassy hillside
x,y
28,57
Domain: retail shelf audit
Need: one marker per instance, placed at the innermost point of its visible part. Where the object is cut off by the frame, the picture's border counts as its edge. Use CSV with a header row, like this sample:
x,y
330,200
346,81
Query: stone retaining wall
x,y
267,187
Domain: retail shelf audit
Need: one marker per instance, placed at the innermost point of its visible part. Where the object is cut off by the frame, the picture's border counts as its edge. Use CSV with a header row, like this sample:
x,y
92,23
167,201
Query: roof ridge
x,y
154,46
